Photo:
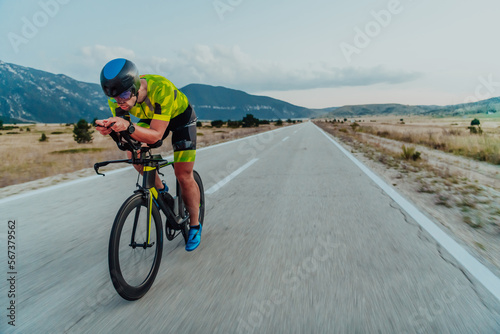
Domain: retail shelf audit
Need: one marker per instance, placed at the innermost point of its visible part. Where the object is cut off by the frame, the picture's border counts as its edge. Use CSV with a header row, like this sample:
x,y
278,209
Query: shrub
x,y
199,124
475,130
43,137
410,153
249,121
233,124
217,123
279,122
81,132
475,121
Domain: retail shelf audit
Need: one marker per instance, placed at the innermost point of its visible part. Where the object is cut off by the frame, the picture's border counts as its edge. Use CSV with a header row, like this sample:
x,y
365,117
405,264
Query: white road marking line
x,y
470,263
228,178
285,139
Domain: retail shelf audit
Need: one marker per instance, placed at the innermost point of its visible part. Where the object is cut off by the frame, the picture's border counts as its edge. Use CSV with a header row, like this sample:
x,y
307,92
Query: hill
x,y
486,106
223,103
31,95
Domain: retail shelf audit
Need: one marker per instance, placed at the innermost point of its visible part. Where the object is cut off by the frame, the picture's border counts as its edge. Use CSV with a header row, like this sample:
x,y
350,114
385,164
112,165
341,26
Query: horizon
x,y
230,88
316,55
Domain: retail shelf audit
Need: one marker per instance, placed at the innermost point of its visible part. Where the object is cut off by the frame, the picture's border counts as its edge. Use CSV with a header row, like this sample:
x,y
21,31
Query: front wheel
x,y
134,254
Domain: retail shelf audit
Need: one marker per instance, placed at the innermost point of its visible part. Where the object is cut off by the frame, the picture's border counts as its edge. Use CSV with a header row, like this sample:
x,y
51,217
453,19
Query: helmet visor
x,y
123,97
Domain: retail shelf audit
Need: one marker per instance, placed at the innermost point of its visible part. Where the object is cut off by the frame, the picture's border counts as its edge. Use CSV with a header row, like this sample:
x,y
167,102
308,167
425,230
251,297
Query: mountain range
x,y
31,95
486,106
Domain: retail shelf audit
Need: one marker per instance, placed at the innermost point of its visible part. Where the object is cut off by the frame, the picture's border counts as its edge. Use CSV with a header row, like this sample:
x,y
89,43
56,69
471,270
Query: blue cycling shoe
x,y
194,238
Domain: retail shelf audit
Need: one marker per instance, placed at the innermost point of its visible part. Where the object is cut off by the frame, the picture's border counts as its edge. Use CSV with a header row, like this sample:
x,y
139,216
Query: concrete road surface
x,y
297,239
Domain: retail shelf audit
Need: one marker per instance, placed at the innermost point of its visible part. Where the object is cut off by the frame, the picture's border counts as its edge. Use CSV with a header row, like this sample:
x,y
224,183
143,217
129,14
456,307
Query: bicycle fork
x,y
150,193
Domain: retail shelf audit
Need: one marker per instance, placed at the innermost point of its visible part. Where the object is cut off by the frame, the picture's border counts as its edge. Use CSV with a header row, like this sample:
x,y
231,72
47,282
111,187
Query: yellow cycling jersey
x,y
163,102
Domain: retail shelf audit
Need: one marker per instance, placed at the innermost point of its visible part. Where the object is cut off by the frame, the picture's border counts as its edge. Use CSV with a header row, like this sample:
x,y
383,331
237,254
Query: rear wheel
x,y
134,255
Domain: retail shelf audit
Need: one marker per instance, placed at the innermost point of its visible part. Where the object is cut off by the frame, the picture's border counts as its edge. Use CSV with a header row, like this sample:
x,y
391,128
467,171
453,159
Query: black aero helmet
x,y
118,76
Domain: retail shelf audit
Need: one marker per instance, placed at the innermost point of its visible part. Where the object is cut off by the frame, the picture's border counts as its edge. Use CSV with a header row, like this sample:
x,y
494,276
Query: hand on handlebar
x,y
117,124
103,126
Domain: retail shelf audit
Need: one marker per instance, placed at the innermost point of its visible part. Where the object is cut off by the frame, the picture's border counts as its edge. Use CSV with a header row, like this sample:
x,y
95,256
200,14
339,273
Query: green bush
x,y
43,137
410,153
475,130
250,121
233,124
81,132
217,123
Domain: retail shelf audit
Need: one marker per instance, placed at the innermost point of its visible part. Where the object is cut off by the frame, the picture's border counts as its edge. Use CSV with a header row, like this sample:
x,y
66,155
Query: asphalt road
x,y
297,239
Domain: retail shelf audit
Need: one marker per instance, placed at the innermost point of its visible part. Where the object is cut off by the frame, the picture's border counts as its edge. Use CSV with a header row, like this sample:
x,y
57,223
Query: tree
x,y
233,124
81,132
279,122
217,123
249,121
473,130
1,124
43,137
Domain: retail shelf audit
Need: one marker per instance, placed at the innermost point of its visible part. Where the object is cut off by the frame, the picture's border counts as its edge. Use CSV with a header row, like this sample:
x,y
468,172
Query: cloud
x,y
231,67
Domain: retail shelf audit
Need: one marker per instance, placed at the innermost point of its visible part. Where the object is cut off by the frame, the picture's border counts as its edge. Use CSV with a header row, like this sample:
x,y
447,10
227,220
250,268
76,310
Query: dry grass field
x,y
446,134
442,168
26,158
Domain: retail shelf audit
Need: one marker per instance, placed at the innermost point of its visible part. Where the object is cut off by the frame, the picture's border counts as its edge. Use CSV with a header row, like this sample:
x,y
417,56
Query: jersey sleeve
x,y
164,102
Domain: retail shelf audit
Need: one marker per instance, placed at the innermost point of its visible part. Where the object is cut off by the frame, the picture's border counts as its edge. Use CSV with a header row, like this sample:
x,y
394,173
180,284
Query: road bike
x,y
136,240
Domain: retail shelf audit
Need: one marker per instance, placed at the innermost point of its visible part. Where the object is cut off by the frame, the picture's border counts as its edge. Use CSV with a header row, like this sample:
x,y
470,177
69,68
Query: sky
x,y
316,54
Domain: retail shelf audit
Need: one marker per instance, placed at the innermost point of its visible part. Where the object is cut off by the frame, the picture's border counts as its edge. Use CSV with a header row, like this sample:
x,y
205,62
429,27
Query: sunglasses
x,y
123,97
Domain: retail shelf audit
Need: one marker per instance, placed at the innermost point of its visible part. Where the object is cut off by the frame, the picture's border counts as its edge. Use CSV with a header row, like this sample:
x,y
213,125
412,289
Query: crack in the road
x,y
455,265
68,329
422,236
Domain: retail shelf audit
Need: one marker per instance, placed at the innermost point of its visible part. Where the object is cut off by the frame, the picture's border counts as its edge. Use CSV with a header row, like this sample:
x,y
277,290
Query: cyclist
x,y
162,109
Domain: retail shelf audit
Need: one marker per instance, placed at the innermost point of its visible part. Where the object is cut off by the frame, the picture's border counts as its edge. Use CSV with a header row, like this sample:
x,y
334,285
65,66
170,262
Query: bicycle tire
x,y
123,270
201,214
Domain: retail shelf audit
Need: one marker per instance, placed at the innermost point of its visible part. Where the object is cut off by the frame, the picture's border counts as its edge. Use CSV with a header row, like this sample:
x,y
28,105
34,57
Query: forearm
x,y
148,136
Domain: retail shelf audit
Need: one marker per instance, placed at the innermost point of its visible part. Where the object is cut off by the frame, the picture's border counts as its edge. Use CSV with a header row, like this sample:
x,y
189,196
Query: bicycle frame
x,y
175,221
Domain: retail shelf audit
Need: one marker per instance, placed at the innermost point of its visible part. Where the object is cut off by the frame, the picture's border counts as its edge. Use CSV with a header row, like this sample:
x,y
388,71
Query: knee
x,y
184,177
